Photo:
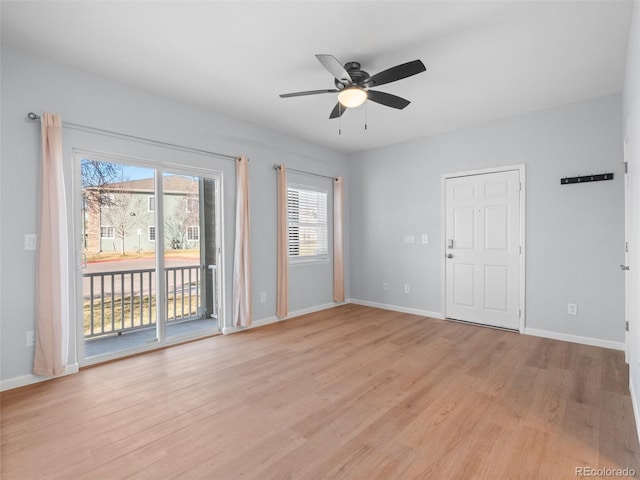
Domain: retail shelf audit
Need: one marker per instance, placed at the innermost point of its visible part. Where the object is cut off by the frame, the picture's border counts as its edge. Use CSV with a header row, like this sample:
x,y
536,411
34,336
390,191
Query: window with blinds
x,y
307,212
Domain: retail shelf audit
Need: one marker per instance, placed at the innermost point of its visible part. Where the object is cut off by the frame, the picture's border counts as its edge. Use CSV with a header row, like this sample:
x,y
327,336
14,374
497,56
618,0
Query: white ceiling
x,y
485,60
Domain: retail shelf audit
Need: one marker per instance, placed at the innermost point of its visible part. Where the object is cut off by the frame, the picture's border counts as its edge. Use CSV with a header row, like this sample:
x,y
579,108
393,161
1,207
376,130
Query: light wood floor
x,y
352,392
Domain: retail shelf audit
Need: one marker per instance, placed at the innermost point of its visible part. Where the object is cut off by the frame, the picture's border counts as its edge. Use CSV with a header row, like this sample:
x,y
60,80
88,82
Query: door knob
x,y
624,267
450,255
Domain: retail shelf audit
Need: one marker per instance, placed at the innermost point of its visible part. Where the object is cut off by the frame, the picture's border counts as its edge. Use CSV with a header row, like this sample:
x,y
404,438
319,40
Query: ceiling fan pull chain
x,y
340,119
365,115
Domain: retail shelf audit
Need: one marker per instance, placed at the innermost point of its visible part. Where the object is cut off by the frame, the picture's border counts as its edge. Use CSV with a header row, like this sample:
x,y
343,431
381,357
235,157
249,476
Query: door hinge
x,y
626,247
626,167
520,250
519,313
626,326
520,189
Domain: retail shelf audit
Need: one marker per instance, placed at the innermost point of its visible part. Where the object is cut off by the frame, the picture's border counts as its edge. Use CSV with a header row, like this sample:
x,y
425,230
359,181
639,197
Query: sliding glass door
x,y
150,256
190,254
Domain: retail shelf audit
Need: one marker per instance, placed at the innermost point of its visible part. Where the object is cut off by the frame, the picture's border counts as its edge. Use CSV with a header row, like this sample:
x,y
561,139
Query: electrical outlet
x,y
29,241
385,285
572,309
409,239
263,297
407,288
31,338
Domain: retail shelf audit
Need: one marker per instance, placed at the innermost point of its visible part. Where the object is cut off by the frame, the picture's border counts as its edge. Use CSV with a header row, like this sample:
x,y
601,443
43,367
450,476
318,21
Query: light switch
x,y
409,239
29,241
425,238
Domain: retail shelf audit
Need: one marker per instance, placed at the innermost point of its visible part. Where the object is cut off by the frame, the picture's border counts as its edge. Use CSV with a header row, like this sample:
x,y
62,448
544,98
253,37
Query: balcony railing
x,y
120,301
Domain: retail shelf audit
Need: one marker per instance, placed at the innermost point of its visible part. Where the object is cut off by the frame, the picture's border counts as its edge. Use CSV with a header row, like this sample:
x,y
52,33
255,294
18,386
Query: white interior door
x,y
482,225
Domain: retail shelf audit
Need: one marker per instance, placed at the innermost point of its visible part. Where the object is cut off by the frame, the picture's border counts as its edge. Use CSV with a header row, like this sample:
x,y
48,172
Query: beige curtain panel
x,y
242,314
282,300
338,247
52,268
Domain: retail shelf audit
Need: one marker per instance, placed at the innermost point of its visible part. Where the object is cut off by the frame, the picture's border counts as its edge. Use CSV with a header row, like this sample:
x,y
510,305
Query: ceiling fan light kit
x,y
352,97
353,85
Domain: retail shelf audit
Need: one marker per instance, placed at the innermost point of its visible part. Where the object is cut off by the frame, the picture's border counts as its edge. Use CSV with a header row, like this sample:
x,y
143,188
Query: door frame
x,y
627,234
77,247
443,240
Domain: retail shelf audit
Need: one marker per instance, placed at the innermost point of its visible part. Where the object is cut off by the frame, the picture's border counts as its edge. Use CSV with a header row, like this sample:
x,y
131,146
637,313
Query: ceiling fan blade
x,y
335,68
337,111
309,92
395,73
387,99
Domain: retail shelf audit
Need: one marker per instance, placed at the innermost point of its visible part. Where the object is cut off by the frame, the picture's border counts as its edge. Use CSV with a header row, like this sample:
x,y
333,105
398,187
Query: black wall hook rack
x,y
586,178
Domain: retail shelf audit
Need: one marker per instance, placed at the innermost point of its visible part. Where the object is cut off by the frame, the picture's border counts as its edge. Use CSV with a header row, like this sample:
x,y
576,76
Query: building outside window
x,y
129,206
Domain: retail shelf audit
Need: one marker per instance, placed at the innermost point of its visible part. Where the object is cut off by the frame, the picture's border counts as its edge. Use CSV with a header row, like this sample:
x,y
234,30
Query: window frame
x,y
193,228
301,258
113,232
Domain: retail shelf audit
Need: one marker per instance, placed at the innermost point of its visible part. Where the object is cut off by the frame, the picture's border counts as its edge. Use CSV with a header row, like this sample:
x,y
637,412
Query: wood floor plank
x,y
348,393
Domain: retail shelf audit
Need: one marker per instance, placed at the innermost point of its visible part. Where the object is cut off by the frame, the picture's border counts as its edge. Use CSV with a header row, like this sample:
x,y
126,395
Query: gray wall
x,y
574,233
32,84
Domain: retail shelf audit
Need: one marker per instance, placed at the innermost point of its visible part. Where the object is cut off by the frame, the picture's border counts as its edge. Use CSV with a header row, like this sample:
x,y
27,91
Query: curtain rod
x,y
175,146
277,167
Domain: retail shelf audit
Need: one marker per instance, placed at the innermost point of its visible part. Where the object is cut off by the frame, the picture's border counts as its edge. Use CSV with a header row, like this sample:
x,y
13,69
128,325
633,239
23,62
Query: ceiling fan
x,y
353,85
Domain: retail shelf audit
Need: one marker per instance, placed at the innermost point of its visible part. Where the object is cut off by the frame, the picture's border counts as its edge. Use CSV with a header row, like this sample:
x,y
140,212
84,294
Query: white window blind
x,y
307,212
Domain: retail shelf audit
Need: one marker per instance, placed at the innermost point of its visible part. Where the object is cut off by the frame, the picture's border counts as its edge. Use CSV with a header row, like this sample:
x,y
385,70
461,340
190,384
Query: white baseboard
x,y
30,379
634,403
595,342
396,308
274,319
